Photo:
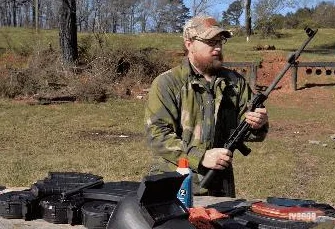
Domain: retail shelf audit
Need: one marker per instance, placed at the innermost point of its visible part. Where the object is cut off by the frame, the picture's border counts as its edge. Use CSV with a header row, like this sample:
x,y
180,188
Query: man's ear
x,y
188,44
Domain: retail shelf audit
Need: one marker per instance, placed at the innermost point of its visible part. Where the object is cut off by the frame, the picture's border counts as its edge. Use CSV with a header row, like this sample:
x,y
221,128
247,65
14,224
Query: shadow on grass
x,y
326,46
325,49
2,50
318,51
262,88
310,85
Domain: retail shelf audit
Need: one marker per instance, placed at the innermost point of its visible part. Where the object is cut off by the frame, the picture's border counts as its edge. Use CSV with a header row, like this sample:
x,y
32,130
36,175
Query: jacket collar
x,y
196,78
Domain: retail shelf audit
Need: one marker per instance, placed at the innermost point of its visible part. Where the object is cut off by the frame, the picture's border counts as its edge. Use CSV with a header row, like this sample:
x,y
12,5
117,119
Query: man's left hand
x,y
257,118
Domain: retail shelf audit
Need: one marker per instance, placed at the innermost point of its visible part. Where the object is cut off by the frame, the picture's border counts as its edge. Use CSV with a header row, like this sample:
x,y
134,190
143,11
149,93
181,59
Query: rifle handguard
x,y
245,150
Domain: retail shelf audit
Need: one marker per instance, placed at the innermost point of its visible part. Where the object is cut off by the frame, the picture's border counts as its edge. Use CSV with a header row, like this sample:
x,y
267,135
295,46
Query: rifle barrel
x,y
291,60
236,138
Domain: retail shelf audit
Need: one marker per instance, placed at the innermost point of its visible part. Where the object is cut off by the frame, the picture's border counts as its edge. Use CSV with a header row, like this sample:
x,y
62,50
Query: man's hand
x,y
217,158
257,118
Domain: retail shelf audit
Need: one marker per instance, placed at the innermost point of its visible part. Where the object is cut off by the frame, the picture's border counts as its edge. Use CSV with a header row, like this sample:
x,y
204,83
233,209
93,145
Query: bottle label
x,y
182,192
185,192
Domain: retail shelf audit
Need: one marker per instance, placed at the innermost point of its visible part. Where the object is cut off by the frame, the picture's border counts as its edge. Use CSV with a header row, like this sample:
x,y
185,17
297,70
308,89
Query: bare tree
x,y
144,12
68,31
264,12
84,10
12,12
128,8
48,13
201,6
169,16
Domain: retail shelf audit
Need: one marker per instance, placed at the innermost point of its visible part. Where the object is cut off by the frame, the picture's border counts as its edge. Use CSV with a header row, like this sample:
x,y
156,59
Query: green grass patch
x,y
322,48
105,139
297,158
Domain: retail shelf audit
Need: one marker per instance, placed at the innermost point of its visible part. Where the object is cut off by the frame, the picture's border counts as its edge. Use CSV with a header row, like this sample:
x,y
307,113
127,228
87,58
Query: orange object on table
x,y
201,217
295,213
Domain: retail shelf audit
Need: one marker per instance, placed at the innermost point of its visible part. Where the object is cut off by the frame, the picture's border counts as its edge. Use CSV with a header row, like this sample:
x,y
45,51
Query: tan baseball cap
x,y
204,27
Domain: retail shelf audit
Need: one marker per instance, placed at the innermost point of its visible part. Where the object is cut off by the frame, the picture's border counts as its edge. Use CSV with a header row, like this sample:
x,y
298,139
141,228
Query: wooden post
x,y
253,76
294,77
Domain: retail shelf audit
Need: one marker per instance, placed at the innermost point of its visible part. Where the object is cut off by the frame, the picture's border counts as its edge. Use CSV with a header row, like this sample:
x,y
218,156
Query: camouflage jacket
x,y
185,115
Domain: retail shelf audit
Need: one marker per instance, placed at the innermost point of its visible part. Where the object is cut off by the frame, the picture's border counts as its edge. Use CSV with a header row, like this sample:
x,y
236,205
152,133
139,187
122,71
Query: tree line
x,y
267,17
115,16
138,16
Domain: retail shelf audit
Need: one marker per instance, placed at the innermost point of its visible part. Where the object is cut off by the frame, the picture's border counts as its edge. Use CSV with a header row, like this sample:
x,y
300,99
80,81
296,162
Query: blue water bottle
x,y
185,194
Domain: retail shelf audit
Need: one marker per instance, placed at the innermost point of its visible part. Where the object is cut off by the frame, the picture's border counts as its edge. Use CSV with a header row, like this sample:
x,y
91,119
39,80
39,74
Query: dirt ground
x,y
310,89
270,67
272,64
309,86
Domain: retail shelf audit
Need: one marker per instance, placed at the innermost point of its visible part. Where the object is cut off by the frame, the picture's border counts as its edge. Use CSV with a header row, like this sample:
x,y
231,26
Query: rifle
x,y
92,184
235,140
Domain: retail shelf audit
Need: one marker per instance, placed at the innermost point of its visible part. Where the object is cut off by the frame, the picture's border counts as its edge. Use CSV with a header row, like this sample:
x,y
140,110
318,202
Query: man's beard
x,y
208,65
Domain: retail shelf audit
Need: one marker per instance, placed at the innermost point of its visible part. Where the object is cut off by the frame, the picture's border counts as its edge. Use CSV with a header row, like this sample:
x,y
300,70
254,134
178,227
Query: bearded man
x,y
193,108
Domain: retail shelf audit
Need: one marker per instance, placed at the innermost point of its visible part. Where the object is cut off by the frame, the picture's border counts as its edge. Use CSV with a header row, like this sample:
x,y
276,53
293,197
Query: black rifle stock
x,y
235,140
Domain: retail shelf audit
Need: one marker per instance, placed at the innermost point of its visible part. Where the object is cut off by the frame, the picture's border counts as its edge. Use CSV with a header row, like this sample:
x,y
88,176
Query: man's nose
x,y
218,46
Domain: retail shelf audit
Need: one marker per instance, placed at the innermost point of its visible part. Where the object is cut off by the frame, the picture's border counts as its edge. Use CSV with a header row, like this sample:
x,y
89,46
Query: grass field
x,y
72,137
296,160
322,48
107,139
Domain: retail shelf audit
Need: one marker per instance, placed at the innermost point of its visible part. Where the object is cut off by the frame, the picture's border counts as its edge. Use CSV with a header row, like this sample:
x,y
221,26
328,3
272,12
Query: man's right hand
x,y
217,158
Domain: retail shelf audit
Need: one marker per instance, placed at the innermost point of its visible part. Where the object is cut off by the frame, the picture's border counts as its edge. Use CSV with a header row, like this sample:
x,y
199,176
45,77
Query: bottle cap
x,y
183,163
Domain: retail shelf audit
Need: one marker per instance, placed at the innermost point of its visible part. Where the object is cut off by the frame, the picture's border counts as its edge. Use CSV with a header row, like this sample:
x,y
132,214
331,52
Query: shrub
x,y
90,88
18,83
93,79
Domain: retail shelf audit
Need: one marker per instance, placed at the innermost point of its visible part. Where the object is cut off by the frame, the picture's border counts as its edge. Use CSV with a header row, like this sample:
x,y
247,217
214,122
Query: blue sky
x,y
222,5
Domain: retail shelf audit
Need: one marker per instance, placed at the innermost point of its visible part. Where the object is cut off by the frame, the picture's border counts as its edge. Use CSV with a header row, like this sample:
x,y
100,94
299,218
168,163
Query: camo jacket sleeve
x,y
161,118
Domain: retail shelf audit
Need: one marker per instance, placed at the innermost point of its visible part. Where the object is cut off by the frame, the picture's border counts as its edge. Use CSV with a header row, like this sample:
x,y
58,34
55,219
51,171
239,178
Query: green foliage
x,y
267,20
180,14
233,13
301,17
278,21
266,28
322,16
85,43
